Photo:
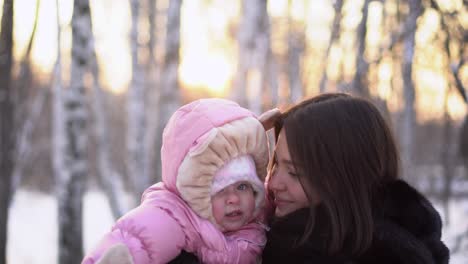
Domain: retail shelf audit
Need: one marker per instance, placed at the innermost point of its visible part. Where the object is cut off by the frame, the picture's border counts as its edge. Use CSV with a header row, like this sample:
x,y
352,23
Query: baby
x,y
211,197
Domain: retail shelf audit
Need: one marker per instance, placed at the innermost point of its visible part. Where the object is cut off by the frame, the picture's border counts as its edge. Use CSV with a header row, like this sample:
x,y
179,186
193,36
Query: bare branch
x,y
454,67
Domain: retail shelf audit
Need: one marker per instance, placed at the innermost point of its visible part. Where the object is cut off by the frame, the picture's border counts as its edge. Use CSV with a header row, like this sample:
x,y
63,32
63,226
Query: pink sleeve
x,y
150,234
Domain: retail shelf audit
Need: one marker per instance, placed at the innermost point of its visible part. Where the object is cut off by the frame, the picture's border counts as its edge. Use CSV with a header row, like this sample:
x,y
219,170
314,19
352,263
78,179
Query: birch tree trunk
x,y
273,81
58,121
254,49
110,180
169,99
447,158
23,141
76,117
296,43
334,35
24,82
464,144
26,113
136,113
409,113
360,83
7,133
152,92
152,31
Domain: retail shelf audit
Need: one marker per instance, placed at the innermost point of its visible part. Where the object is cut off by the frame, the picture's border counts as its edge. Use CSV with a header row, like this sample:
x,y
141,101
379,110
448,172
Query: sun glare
x,y
112,31
373,23
208,48
206,70
429,27
204,64
385,77
45,50
430,89
23,25
319,19
456,106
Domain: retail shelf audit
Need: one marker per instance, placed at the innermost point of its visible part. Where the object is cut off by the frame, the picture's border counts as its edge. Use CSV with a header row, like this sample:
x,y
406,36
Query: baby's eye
x,y
243,187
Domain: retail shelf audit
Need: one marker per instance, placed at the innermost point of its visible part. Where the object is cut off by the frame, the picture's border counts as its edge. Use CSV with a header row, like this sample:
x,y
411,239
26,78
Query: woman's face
x,y
284,183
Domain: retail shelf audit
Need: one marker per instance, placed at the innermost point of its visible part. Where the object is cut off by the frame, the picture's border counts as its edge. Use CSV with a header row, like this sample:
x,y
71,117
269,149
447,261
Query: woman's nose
x,y
275,183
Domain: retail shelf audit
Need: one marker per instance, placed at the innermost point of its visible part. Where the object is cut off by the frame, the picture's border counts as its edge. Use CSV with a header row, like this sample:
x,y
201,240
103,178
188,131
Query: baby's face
x,y
234,205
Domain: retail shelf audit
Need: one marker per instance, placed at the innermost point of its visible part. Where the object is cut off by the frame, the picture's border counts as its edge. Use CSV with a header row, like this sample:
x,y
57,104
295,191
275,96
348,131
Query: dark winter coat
x,y
407,230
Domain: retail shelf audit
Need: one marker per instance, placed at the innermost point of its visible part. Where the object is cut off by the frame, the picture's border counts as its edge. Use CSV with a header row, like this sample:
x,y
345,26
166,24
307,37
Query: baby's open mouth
x,y
234,213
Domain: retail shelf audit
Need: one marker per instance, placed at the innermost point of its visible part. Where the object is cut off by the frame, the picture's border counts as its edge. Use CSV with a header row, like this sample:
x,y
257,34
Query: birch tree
x,y
254,47
447,157
169,96
58,121
360,85
110,180
135,111
152,4
7,133
26,119
152,91
464,144
409,113
71,183
334,35
296,46
24,83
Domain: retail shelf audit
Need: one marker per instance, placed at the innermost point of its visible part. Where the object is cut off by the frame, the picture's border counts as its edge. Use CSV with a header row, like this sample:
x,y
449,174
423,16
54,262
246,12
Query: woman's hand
x,y
269,117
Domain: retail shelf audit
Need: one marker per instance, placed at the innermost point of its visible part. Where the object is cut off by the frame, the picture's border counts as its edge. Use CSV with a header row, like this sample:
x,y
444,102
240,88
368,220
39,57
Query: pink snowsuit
x,y
175,214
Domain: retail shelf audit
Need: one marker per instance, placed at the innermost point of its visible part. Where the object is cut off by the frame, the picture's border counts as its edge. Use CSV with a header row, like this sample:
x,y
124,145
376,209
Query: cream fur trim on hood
x,y
195,176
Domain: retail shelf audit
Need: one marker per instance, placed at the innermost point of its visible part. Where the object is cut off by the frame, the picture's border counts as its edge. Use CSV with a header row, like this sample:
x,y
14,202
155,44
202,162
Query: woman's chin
x,y
280,212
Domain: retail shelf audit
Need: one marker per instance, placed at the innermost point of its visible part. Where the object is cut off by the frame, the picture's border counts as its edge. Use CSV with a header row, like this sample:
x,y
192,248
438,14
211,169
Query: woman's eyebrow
x,y
291,164
287,161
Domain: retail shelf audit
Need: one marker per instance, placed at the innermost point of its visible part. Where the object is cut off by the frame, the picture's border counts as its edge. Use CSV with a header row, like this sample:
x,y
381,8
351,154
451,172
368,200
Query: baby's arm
x,y
250,240
150,234
242,246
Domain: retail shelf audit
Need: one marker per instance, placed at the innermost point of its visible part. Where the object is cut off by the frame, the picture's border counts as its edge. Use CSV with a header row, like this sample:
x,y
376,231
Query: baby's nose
x,y
233,198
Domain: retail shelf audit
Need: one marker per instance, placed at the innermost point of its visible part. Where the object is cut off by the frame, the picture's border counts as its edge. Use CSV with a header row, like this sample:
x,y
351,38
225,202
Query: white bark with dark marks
x,y
254,50
334,35
136,112
71,184
169,97
360,83
7,111
409,112
110,180
296,47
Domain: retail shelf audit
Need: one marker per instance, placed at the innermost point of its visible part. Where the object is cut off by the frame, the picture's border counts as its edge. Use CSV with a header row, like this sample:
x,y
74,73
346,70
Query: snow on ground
x,y
32,229
458,222
32,226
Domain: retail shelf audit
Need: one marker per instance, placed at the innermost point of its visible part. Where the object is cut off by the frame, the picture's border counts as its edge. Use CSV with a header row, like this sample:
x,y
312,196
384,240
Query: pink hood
x,y
189,124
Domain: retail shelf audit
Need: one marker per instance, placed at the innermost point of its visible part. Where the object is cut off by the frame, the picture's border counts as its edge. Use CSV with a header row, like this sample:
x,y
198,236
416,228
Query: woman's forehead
x,y
281,147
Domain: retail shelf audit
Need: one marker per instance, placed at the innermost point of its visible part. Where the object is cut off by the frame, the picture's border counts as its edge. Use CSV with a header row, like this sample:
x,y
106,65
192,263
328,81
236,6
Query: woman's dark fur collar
x,y
407,230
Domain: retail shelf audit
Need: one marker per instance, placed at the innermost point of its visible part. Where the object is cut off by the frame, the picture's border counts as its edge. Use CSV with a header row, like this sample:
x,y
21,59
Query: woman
x,y
336,194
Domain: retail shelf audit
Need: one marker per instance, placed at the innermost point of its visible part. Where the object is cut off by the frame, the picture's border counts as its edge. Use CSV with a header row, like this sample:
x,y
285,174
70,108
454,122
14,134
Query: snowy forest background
x,y
86,87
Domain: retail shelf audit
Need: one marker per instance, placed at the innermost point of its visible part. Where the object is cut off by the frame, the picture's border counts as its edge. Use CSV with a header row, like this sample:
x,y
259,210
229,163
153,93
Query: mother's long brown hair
x,y
345,152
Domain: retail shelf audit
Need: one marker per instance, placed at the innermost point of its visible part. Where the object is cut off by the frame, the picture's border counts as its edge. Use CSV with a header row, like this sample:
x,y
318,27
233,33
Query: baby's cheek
x,y
217,209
